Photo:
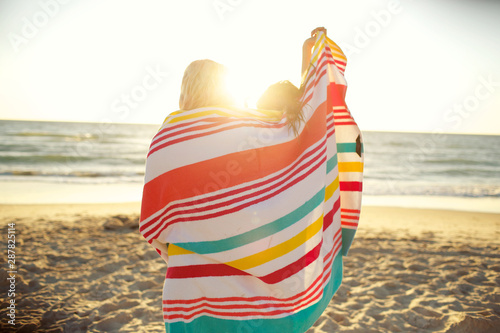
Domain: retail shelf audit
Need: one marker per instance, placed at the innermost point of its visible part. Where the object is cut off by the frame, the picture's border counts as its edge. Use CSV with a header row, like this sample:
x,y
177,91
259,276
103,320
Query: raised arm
x,y
307,49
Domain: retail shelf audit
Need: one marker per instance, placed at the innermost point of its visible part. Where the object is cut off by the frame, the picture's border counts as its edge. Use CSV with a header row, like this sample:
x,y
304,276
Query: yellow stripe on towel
x,y
280,249
350,167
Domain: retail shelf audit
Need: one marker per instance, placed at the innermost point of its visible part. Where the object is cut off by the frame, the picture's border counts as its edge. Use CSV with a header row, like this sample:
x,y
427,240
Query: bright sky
x,y
422,65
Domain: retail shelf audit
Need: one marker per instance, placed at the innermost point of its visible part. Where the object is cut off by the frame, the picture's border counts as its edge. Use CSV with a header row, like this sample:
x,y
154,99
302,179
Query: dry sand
x,y
86,268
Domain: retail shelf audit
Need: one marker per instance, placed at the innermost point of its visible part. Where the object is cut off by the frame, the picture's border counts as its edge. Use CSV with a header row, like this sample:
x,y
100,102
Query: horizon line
x,y
159,124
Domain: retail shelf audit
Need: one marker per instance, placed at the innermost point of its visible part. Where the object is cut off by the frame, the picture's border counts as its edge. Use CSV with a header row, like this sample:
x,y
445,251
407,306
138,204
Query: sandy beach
x,y
85,267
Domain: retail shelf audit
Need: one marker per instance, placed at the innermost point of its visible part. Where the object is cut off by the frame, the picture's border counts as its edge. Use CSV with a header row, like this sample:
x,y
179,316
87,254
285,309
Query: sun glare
x,y
245,92
248,79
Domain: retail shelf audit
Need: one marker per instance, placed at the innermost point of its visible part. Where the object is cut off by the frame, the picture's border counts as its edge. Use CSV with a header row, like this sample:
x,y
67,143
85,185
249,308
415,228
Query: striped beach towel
x,y
251,219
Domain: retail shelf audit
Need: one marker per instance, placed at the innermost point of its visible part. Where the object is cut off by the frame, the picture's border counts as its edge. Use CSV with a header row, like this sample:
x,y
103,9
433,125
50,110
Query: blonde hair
x,y
204,84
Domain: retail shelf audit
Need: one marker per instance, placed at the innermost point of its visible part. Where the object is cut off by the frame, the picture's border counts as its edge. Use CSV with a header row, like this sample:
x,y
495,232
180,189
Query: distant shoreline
x,y
24,194
159,124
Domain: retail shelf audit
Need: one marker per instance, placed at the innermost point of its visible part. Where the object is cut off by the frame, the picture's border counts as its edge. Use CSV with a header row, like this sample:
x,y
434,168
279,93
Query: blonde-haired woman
x,y
204,84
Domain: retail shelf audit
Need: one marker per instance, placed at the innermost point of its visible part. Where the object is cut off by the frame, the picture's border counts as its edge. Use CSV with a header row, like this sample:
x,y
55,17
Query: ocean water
x,y
426,164
63,152
55,154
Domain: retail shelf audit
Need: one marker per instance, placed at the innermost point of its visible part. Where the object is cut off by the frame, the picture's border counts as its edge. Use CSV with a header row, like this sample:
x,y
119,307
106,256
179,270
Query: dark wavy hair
x,y
284,96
